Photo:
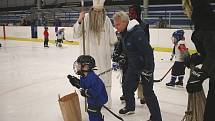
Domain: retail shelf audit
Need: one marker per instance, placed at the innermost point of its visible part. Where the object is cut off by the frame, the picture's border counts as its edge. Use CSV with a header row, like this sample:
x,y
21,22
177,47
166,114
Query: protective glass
x,y
77,67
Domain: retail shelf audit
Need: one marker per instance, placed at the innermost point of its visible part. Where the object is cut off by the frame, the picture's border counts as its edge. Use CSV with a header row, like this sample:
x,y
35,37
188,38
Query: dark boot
x,y
142,101
171,83
122,98
126,111
179,83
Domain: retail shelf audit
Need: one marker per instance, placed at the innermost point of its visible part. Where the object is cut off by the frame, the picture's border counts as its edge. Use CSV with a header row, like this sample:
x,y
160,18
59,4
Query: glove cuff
x,y
86,93
146,73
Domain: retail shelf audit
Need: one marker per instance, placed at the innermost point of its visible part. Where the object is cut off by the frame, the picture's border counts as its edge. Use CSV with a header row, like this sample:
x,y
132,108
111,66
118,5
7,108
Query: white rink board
x,y
158,37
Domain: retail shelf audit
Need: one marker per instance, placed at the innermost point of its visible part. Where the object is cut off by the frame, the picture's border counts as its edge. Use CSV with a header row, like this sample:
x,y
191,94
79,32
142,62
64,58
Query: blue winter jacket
x,y
95,88
138,50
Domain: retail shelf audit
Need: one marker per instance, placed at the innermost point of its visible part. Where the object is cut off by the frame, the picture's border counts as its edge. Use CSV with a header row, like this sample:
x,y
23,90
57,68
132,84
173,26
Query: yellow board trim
x,y
39,40
159,49
162,49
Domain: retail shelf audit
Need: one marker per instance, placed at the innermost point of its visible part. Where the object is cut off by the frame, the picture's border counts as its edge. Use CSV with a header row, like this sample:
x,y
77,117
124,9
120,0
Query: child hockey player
x,y
60,37
90,86
178,69
46,37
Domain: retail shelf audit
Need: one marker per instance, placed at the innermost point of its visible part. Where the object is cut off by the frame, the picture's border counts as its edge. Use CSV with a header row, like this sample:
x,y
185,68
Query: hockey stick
x,y
159,80
84,51
120,118
83,27
104,72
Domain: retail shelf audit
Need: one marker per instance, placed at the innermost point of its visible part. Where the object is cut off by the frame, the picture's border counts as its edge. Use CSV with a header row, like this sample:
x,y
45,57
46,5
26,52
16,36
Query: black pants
x,y
210,102
60,40
94,113
129,87
46,41
178,68
124,68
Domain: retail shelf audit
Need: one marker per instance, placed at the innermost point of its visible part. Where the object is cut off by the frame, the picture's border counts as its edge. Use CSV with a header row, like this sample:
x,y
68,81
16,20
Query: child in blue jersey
x,y
90,86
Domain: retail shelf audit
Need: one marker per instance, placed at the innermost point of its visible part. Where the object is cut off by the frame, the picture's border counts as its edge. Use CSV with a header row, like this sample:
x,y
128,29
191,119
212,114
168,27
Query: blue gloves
x,y
194,83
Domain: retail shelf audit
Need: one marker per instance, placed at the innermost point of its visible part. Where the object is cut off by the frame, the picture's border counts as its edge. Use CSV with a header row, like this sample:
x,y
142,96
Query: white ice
x,y
31,77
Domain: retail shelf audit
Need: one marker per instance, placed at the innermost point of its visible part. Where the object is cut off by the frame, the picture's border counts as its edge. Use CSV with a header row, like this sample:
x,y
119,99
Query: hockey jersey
x,y
60,35
180,51
95,88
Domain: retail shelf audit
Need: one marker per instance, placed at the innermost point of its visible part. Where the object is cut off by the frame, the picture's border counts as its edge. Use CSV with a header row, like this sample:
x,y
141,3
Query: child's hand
x,y
81,17
74,81
84,92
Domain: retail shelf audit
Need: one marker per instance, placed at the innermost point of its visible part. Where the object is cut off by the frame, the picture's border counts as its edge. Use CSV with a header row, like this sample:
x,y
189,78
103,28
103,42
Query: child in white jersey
x,y
178,69
60,37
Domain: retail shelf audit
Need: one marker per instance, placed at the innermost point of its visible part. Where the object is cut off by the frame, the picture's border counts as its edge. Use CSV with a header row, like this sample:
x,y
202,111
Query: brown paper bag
x,y
140,91
195,107
70,107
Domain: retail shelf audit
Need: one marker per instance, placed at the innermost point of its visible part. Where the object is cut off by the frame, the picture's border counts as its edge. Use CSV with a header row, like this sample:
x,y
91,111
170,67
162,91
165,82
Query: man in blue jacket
x,y
140,64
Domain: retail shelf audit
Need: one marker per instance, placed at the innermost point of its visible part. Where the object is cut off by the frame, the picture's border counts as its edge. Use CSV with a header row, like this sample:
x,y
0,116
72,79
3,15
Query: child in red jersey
x,y
46,37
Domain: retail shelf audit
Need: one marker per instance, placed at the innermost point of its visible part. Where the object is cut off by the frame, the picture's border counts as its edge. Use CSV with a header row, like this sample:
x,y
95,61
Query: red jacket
x,y
46,34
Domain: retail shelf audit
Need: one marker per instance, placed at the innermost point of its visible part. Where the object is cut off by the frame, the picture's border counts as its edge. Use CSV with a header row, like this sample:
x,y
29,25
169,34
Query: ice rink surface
x,y
31,77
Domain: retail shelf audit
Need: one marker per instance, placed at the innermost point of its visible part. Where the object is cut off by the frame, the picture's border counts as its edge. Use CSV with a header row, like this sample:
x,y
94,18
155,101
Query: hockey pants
x,y
94,113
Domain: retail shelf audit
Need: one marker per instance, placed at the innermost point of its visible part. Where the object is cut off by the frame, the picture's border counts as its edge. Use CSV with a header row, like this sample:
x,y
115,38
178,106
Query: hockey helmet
x,y
81,62
178,35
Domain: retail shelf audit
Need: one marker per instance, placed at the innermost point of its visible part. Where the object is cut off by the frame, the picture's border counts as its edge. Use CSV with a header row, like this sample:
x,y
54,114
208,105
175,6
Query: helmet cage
x,y
83,60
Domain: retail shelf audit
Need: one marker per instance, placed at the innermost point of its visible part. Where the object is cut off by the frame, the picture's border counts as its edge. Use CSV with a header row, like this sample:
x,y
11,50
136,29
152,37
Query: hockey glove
x,y
115,57
117,51
74,81
84,92
122,60
147,75
194,59
194,83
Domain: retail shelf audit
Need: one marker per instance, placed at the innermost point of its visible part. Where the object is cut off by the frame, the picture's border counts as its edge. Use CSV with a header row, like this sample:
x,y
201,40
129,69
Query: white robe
x,y
100,52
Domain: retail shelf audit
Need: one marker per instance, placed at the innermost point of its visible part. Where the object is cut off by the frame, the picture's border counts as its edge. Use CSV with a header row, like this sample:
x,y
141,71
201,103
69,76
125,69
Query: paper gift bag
x,y
70,107
140,91
195,107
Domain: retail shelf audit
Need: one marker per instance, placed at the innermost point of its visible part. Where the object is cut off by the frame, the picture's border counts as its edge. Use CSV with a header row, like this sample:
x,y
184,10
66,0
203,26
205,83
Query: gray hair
x,y
121,15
